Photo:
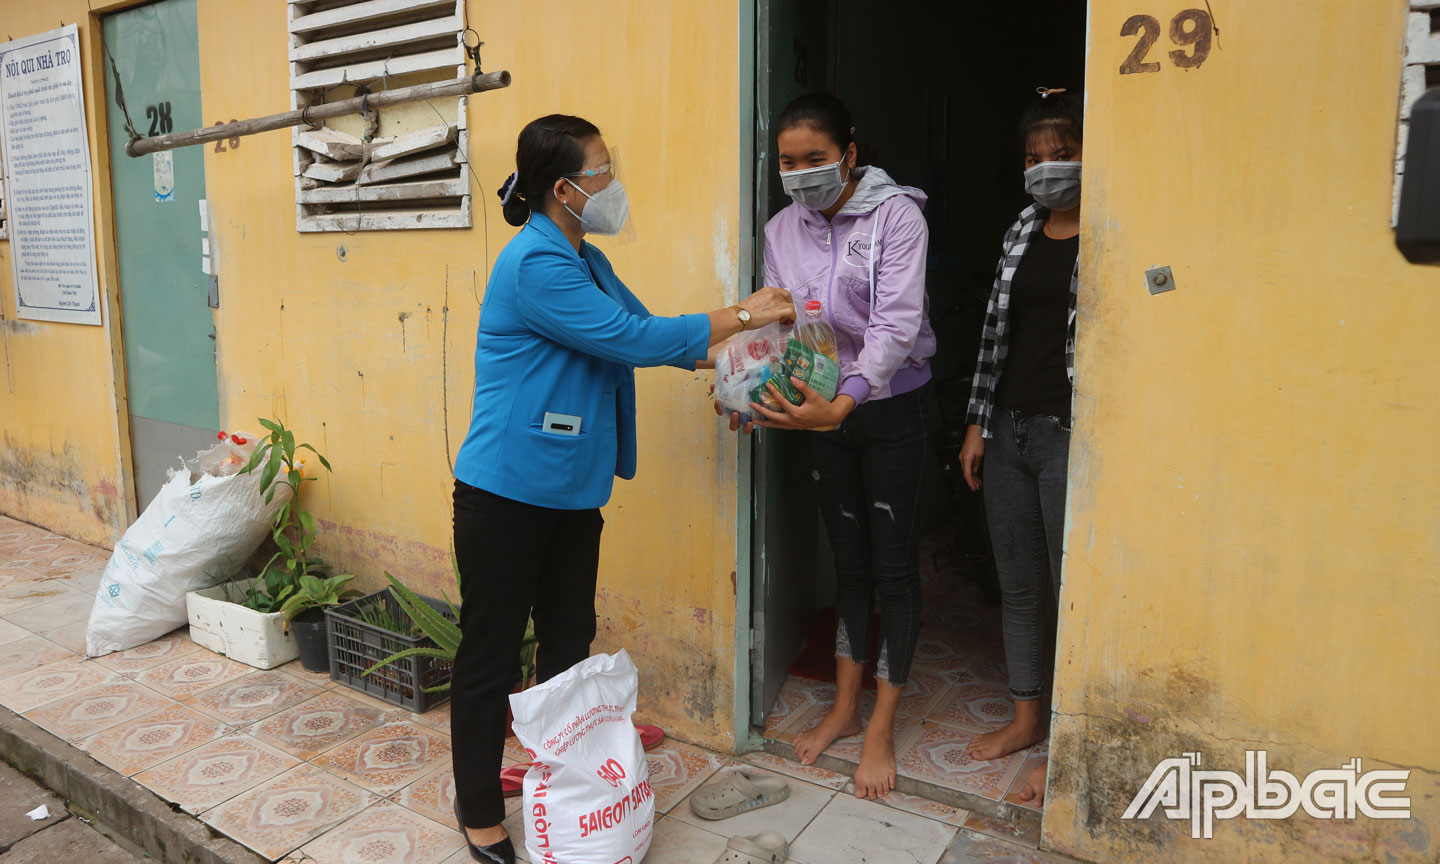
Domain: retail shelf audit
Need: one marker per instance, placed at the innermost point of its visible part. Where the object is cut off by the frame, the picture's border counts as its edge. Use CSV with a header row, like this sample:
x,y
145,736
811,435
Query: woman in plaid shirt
x,y
1019,413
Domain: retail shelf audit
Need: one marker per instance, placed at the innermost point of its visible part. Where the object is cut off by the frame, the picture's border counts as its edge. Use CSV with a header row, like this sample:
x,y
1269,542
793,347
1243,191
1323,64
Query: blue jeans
x,y
868,474
1023,480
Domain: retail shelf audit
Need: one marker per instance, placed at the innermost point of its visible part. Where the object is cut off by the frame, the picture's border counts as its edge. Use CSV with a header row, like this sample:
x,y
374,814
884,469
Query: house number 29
x,y
1192,29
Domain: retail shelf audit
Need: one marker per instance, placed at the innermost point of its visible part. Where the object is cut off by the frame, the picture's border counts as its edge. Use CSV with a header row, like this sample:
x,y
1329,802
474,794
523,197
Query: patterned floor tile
x,y
919,695
975,703
946,655
215,772
289,811
87,580
10,633
321,724
385,833
142,657
95,709
71,637
1033,760
849,748
28,690
937,754
990,666
152,739
314,679
1023,829
29,653
433,796
251,697
44,605
191,674
437,718
808,773
388,757
69,557
852,831
797,695
676,769
927,808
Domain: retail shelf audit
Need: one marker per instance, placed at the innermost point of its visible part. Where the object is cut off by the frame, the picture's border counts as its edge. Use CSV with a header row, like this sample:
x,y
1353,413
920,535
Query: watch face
x,y
745,315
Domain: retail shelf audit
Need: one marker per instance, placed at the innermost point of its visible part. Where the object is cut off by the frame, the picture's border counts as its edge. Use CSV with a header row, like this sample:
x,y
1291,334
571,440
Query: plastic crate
x,y
356,645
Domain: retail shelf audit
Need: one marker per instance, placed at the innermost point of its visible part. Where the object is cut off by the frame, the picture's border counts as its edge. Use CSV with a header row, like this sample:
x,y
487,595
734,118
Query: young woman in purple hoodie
x,y
856,241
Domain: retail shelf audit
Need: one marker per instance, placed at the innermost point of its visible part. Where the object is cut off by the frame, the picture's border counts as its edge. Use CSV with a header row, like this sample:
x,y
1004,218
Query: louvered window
x,y
402,166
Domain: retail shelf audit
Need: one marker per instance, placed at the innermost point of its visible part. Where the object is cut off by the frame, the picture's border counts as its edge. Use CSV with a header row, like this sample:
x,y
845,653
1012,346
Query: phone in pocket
x,y
561,424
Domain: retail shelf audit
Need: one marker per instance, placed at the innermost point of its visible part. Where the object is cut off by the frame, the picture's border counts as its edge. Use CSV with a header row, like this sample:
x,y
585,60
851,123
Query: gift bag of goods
x,y
587,796
773,355
198,530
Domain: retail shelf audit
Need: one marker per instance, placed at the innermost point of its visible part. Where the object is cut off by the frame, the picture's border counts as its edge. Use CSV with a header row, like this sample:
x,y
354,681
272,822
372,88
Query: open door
x,y
794,56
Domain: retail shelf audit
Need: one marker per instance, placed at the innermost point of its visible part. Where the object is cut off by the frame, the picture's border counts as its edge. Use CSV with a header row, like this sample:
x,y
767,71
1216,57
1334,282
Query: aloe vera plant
x,y
444,632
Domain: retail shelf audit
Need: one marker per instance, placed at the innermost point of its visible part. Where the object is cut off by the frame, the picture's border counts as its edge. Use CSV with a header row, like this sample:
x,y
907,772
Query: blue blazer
x,y
561,334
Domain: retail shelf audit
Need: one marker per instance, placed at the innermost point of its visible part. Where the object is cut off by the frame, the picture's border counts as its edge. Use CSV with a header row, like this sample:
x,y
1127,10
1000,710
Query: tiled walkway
x,y
300,768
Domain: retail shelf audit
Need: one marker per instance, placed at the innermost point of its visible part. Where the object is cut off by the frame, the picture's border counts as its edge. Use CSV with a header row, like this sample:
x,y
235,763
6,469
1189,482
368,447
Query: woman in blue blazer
x,y
554,423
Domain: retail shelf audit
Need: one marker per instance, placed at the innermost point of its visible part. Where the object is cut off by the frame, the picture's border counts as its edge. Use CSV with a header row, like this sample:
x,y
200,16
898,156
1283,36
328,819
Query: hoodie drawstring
x,y
874,253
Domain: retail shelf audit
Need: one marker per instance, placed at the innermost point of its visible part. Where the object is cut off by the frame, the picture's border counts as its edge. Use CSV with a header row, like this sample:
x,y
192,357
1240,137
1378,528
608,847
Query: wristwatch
x,y
744,315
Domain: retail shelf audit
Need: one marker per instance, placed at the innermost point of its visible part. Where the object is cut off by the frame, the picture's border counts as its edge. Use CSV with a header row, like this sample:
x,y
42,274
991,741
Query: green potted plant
x,y
313,596
245,619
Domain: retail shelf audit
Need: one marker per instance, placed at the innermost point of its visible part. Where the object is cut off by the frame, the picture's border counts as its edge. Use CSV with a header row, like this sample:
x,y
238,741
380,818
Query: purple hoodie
x,y
878,307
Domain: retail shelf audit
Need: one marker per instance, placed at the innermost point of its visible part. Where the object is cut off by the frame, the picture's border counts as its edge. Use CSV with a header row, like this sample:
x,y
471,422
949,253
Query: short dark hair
x,y
550,148
822,112
1060,114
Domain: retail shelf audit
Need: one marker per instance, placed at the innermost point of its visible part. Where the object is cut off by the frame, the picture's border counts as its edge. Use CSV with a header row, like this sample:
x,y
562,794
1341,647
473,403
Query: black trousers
x,y
515,560
869,473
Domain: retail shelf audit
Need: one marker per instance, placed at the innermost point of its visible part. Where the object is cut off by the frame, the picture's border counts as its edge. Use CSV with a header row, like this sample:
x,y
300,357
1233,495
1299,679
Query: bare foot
x,y
875,778
839,723
1034,789
486,836
1017,736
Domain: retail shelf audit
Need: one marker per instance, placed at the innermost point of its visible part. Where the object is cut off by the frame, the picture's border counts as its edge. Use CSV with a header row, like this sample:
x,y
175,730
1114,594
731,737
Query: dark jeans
x,y
1023,481
868,474
515,560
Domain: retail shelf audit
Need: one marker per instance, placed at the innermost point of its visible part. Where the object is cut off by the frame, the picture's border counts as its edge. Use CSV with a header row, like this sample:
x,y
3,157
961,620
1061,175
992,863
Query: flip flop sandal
x,y
736,792
767,847
512,780
650,736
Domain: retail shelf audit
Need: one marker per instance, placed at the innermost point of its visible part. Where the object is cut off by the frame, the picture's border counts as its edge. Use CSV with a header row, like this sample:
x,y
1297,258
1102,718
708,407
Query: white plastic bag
x,y
192,536
587,797
746,363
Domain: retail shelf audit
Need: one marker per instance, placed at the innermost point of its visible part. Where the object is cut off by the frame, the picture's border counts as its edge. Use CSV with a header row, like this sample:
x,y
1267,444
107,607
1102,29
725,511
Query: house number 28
x,y
1192,29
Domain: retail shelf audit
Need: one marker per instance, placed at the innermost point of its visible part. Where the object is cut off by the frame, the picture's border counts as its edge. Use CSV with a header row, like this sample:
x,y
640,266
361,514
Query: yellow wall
x,y
62,403
371,358
1253,554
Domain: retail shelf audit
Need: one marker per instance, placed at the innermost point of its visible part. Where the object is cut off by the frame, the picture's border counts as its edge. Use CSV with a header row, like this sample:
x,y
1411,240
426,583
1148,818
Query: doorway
x,y
166,296
935,90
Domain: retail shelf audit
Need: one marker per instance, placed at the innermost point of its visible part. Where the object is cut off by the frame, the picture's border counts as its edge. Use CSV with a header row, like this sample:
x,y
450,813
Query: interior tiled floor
x,y
957,689
296,766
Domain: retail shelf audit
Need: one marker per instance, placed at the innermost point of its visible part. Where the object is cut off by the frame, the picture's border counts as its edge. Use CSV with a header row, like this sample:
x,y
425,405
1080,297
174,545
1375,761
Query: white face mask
x,y
818,187
605,212
1054,185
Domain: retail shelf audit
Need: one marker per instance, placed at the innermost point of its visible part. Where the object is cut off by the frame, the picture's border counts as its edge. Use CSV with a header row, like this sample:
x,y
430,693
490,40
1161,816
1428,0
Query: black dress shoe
x,y
496,853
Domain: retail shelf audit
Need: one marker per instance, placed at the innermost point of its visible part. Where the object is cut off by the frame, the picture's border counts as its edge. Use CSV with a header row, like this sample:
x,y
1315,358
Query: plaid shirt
x,y
994,341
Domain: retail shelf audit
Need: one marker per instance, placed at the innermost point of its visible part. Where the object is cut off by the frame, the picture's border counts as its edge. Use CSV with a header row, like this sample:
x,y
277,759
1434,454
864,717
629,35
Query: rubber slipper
x,y
650,736
736,792
512,780
767,847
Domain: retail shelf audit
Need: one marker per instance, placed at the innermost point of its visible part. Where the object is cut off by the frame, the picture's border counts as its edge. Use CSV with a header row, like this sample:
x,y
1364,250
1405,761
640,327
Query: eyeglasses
x,y
607,168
